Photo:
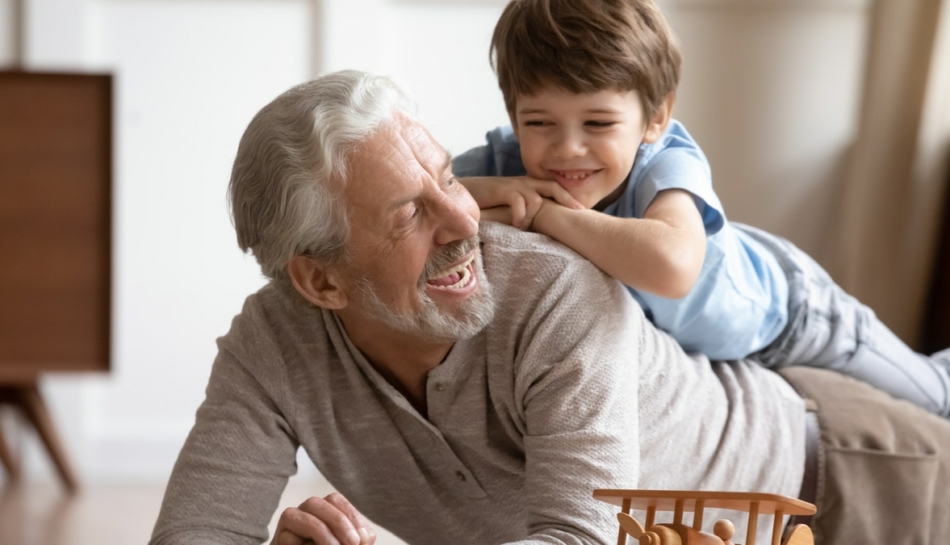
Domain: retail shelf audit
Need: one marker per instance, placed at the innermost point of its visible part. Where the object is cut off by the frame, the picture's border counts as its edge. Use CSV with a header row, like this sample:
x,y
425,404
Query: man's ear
x,y
656,126
316,283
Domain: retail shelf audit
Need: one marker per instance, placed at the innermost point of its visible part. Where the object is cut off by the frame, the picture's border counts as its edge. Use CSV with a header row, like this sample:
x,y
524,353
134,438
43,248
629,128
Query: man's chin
x,y
441,317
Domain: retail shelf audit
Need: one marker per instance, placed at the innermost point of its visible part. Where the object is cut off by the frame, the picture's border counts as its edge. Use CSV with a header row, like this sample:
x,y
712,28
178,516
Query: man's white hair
x,y
291,166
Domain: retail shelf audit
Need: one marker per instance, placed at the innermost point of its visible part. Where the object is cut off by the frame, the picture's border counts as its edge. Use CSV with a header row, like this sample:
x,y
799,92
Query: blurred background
x,y
825,121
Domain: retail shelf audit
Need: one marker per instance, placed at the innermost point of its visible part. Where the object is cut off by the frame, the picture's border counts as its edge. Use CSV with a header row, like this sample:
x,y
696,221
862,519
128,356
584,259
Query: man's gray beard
x,y
474,314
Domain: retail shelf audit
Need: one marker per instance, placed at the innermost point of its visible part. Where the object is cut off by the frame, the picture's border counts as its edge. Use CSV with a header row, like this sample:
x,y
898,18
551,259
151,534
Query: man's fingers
x,y
286,537
297,527
329,513
365,531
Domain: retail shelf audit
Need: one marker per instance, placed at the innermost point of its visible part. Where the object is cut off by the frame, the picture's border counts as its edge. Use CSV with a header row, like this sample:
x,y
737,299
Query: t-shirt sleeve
x,y
500,156
230,474
474,162
680,167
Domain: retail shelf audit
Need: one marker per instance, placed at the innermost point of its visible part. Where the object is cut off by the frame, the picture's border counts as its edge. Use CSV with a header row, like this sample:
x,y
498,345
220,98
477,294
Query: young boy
x,y
593,159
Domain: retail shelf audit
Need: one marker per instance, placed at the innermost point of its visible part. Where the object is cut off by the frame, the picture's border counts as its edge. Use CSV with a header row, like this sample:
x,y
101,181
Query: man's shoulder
x,y
527,266
505,246
270,320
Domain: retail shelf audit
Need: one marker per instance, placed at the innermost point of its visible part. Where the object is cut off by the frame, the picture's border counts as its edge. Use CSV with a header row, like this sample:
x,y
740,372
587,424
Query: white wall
x,y
188,78
769,89
7,34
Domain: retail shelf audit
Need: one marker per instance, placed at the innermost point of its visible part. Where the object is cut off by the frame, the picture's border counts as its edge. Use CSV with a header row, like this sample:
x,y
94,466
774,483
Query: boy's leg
x,y
883,464
830,329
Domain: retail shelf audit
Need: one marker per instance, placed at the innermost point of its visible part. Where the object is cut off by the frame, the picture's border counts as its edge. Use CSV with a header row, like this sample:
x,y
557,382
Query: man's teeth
x,y
463,280
461,270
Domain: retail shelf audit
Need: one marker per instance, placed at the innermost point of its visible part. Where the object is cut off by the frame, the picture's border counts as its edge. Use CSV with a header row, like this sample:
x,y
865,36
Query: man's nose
x,y
458,218
569,144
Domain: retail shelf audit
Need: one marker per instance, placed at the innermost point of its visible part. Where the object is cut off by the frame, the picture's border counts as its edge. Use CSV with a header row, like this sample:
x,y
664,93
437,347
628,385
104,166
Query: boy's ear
x,y
317,283
656,126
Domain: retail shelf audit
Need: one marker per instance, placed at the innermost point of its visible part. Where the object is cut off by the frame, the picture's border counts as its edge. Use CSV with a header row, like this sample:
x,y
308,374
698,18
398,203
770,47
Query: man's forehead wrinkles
x,y
431,156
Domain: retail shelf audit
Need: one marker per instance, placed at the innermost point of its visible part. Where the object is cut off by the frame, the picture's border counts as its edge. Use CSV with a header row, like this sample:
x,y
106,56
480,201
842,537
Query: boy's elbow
x,y
674,288
679,275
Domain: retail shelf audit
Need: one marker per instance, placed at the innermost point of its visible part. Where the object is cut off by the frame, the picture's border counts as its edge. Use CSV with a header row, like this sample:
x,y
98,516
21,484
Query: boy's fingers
x,y
501,214
517,206
533,206
554,190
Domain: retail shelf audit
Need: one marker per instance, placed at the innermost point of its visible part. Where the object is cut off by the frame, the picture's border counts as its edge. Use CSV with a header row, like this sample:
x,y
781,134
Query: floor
x,y
40,513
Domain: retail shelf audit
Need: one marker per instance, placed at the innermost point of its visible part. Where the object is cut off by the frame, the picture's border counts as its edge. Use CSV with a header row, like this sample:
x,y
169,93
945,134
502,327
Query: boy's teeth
x,y
575,174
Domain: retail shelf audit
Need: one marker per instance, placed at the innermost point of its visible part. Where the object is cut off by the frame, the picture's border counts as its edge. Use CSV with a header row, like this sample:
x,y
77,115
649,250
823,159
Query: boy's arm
x,y
515,200
661,253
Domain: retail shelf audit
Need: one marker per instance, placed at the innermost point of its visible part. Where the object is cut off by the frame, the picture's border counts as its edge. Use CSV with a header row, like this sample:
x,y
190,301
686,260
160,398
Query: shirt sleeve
x,y
676,162
233,467
577,384
500,156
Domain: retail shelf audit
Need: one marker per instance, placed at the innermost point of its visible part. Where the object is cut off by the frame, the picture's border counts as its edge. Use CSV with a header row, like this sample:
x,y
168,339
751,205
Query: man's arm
x,y
233,467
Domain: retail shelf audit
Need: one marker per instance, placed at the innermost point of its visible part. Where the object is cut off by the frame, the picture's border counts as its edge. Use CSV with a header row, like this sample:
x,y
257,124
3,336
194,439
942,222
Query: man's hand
x,y
323,521
521,195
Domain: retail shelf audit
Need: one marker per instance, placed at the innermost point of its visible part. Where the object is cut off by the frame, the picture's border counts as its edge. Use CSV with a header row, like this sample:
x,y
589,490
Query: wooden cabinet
x,y
55,236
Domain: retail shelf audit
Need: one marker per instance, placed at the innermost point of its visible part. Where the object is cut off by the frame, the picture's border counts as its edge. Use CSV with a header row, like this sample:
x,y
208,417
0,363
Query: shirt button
x,y
460,475
439,387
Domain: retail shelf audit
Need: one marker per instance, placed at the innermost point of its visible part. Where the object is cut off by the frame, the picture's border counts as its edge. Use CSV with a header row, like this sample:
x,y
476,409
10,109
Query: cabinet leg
x,y
7,458
36,411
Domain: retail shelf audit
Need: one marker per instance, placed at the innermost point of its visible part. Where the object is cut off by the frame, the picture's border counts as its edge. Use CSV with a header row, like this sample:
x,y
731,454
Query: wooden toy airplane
x,y
680,501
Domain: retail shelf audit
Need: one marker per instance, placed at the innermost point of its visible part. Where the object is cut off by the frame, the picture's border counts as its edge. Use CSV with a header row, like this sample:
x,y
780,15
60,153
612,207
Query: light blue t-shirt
x,y
739,304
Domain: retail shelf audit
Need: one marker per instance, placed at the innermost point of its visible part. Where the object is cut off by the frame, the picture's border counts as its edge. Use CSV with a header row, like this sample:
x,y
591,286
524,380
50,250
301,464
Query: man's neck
x,y
402,359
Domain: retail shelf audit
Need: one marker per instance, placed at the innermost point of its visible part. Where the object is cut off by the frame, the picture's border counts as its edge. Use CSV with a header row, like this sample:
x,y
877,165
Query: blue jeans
x,y
830,329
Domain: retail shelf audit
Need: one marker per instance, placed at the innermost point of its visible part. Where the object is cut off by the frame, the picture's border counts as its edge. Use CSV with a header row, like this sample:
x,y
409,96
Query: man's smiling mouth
x,y
456,277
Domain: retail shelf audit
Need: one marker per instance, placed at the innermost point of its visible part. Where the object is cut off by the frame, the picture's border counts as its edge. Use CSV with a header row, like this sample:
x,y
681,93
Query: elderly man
x,y
460,383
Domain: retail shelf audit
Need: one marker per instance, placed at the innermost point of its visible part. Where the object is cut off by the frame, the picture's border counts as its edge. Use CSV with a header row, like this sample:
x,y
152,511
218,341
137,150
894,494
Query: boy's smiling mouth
x,y
574,176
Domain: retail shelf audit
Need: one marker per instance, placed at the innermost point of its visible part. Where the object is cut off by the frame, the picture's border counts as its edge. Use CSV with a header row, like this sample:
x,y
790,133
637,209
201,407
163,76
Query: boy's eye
x,y
535,123
600,124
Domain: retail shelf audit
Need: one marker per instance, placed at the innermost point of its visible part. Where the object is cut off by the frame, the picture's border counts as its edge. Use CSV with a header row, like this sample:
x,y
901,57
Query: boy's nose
x,y
570,145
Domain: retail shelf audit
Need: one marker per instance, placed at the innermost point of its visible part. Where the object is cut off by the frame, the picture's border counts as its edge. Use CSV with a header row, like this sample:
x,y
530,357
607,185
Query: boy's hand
x,y
520,195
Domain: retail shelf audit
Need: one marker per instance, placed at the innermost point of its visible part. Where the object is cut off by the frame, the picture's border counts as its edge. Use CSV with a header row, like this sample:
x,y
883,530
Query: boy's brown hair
x,y
585,46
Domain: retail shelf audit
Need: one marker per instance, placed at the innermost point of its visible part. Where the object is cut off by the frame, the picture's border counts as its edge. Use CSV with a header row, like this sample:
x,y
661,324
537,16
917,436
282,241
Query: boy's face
x,y
584,142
